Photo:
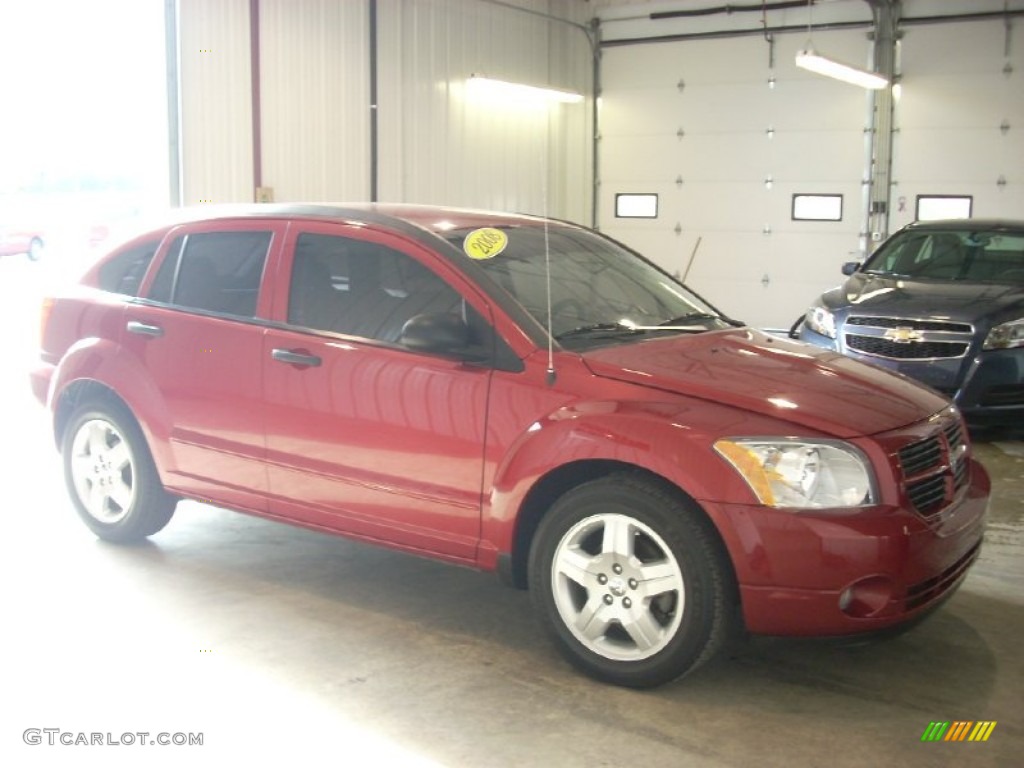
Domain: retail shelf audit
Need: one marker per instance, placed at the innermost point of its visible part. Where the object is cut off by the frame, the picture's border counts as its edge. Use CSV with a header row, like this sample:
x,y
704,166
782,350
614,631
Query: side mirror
x,y
436,332
850,267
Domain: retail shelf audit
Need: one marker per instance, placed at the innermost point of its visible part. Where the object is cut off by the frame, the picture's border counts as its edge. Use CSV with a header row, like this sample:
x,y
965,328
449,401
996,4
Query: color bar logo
x,y
959,730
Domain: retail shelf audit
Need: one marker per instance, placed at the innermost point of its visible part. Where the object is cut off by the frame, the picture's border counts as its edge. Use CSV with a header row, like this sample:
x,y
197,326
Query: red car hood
x,y
776,377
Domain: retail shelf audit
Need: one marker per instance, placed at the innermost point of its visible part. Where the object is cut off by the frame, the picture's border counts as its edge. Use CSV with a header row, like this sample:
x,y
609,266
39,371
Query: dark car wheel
x,y
111,476
35,249
631,582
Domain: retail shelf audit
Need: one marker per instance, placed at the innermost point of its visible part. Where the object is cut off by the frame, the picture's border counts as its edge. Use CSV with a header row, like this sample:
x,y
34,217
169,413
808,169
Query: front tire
x,y
632,581
111,477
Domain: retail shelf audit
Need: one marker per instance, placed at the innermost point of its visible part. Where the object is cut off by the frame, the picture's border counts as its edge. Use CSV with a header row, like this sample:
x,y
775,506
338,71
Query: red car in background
x,y
14,242
518,395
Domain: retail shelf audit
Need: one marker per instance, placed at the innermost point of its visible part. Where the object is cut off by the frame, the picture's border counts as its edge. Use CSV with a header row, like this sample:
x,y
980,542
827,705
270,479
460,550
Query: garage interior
x,y
281,644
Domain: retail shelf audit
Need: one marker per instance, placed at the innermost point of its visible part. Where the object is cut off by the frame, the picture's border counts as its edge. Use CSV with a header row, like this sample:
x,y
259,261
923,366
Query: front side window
x,y
600,292
363,289
962,255
214,271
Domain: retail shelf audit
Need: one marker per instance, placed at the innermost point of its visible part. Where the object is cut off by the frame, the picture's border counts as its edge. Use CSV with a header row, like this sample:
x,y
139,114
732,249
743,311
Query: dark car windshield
x,y
960,254
600,292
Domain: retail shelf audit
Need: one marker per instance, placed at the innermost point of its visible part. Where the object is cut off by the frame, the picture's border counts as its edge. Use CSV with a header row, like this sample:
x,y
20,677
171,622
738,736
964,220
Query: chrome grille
x,y
910,322
909,350
907,338
935,468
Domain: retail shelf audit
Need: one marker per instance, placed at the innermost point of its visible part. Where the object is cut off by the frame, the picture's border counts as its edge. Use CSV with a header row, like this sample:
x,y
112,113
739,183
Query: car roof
x,y
971,224
432,218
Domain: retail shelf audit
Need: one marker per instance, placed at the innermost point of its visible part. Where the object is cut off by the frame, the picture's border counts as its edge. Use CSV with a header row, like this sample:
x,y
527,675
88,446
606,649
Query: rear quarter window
x,y
123,273
214,271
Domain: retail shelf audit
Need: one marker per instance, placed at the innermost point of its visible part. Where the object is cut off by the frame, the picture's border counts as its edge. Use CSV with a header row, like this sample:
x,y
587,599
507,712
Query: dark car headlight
x,y
1006,335
821,320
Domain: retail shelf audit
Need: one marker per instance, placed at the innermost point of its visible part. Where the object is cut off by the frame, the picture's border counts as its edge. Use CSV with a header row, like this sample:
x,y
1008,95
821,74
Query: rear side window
x,y
214,271
123,273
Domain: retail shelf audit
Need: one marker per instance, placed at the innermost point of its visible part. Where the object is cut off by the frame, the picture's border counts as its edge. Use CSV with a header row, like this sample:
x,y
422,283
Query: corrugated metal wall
x,y
439,146
216,102
435,146
314,67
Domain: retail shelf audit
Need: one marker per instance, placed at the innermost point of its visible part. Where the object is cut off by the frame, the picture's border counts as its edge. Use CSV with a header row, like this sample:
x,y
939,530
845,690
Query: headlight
x,y
1006,336
801,474
821,320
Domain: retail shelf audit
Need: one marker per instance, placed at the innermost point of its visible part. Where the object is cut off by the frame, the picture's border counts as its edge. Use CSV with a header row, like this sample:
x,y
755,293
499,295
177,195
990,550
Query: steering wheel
x,y
568,308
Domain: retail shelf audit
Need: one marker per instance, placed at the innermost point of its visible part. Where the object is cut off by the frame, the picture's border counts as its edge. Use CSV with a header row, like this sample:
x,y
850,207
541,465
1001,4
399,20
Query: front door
x,y
363,435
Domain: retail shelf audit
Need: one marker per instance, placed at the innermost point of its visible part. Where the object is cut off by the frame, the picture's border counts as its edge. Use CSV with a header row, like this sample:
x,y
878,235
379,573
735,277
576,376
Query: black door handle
x,y
295,358
134,326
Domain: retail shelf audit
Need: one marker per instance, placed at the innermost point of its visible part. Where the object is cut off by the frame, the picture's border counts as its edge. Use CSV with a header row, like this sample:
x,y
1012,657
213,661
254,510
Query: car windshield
x,y
600,292
953,254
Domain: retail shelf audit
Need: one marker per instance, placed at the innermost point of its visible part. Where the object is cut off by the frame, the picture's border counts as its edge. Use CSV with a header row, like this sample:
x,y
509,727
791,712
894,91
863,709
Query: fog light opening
x,y
867,597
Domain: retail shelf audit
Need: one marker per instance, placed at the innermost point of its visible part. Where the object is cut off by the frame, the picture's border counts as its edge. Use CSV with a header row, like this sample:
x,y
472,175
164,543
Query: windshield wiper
x,y
689,317
601,329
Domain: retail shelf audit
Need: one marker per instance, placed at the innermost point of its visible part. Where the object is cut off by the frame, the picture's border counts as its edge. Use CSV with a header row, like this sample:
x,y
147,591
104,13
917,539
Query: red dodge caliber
x,y
520,395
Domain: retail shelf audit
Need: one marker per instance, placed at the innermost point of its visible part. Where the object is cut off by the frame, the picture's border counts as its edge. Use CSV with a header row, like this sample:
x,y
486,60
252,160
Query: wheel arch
x,y
79,393
560,480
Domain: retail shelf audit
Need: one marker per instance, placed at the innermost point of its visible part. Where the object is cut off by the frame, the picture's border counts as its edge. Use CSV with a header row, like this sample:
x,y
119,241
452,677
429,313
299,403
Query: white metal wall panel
x,y
709,150
960,83
436,146
216,101
314,68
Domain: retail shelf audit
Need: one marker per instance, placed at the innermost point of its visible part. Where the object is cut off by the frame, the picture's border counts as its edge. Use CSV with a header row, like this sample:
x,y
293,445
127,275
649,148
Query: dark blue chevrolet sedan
x,y
942,302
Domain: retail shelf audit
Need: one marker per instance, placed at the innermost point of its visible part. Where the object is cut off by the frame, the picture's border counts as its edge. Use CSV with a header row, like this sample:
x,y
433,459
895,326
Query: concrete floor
x,y
278,644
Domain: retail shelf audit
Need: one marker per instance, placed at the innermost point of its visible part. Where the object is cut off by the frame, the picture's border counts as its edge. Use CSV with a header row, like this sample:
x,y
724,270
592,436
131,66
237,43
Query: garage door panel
x,y
956,50
816,105
943,155
641,112
641,159
960,103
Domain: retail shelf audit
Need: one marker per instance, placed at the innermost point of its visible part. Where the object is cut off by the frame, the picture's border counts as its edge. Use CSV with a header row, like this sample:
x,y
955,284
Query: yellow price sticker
x,y
484,243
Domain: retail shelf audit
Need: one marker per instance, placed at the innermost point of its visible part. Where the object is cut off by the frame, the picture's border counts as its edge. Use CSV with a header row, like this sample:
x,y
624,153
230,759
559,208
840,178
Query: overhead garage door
x,y
697,123
960,119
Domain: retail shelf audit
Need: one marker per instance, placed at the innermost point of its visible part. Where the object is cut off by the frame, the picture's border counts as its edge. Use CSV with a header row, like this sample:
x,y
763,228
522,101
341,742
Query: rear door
x,y
199,334
363,435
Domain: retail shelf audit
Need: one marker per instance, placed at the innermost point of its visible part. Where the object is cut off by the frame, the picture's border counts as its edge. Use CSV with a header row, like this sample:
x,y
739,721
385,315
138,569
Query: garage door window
x,y
817,207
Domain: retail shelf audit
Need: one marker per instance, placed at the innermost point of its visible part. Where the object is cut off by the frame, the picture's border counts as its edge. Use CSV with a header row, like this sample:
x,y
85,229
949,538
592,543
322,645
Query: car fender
x,y
640,435
105,362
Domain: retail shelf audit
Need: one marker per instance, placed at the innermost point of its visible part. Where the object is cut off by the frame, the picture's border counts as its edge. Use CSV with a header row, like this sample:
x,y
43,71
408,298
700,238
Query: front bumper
x,y
837,574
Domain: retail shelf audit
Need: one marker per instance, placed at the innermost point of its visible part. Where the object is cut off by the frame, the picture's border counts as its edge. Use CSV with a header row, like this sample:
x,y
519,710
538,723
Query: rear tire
x,y
111,477
631,581
35,249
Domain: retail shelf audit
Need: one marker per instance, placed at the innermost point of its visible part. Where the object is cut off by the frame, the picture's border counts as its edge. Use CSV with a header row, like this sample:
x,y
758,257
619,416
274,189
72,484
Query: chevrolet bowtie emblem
x,y
903,335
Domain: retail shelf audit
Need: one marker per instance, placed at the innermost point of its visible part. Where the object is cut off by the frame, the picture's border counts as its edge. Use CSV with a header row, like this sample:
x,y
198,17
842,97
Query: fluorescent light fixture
x,y
502,90
812,61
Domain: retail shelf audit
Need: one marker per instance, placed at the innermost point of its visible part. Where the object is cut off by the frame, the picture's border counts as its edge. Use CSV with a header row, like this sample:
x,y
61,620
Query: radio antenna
x,y
547,275
547,258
